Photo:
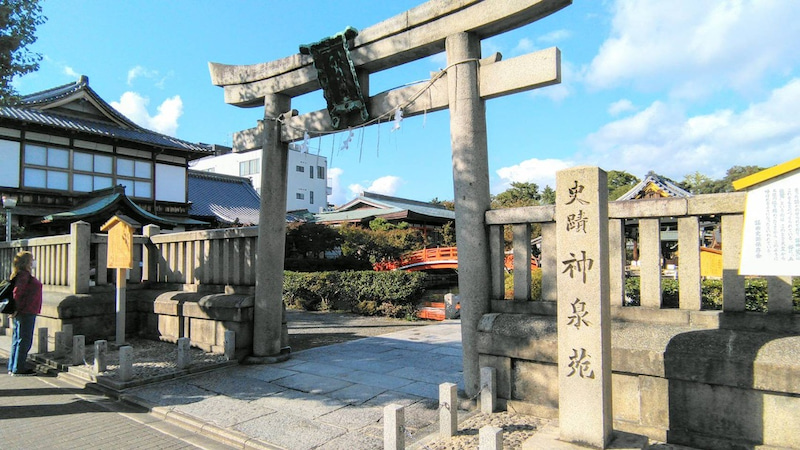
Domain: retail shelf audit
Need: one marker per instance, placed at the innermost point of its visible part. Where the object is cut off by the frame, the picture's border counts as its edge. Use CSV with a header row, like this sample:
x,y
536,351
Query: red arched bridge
x,y
433,259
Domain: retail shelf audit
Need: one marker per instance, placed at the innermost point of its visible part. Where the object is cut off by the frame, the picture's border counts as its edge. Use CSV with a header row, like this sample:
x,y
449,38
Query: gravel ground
x,y
517,428
151,358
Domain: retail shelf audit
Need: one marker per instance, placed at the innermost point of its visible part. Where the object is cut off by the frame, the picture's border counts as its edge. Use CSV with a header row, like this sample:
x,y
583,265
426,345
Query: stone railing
x,y
686,212
74,262
224,257
62,262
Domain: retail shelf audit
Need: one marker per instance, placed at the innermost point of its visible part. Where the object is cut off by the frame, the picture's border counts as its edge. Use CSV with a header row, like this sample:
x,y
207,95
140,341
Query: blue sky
x,y
676,87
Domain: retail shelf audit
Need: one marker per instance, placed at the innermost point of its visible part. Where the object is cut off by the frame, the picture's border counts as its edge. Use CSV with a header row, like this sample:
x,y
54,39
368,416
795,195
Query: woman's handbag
x,y
7,303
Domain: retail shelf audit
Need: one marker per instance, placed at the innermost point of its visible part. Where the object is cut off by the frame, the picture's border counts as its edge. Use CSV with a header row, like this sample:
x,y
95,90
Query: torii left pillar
x,y
268,311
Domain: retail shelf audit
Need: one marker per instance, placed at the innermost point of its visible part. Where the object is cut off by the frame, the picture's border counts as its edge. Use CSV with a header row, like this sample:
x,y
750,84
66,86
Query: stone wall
x,y
672,381
153,314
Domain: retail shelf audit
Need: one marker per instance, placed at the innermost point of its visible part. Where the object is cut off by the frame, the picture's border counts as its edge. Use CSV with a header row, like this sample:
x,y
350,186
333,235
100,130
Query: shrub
x,y
536,284
362,292
755,290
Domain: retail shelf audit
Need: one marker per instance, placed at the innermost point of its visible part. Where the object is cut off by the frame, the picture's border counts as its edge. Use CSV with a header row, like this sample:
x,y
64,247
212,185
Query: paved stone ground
x,y
315,329
43,412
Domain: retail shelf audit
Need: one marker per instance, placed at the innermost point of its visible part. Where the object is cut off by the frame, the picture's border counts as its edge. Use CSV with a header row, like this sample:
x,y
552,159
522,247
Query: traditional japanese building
x,y
368,206
68,155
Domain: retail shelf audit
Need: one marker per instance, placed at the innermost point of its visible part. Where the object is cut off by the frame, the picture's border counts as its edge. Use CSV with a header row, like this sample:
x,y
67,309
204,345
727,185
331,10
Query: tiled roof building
x,y
62,145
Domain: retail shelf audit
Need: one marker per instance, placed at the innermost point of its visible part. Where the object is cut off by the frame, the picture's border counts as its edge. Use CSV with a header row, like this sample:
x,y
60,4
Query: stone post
x,y
100,356
490,438
79,256
471,193
150,254
584,325
184,357
78,350
448,410
125,372
488,389
229,344
61,347
690,294
268,302
67,342
450,306
394,427
42,340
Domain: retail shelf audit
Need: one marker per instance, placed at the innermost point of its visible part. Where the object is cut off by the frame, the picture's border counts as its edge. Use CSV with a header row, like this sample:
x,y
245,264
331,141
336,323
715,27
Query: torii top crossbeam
x,y
414,34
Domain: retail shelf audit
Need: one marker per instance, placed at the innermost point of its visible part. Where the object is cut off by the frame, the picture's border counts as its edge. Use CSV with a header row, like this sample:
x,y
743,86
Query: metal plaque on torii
x,y
337,77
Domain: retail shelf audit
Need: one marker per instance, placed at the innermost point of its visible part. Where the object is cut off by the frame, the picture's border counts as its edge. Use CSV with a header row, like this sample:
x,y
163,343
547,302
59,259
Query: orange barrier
x,y
435,258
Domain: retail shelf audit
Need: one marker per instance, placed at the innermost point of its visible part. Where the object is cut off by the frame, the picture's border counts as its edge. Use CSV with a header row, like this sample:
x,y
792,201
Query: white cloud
x,y
663,138
621,106
69,71
695,48
558,92
554,36
134,107
152,74
339,195
140,71
539,171
525,45
387,185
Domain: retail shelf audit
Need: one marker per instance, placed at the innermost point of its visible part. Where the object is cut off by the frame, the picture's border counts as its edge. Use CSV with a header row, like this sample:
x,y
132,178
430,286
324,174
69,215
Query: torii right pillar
x,y
471,191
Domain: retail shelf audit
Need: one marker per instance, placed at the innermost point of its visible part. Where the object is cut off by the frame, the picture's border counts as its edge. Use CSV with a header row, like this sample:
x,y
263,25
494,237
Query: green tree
x,y
619,183
379,245
449,234
519,194
446,204
548,196
310,239
18,22
697,183
381,224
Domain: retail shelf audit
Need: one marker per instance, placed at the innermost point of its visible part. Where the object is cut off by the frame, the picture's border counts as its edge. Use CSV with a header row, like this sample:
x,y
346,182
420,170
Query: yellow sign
x,y
120,242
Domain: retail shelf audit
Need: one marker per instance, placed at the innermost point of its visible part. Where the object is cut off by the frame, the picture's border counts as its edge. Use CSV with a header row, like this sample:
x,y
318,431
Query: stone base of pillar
x,y
284,355
548,438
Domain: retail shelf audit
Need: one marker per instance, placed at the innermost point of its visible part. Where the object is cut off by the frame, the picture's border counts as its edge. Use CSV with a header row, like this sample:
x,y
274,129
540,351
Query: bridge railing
x,y
687,213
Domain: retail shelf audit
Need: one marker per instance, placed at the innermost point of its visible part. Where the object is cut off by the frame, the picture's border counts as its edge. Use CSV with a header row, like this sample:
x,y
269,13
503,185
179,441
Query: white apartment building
x,y
307,185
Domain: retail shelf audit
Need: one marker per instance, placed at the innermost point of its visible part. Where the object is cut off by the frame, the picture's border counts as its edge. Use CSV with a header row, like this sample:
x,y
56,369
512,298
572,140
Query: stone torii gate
x,y
454,26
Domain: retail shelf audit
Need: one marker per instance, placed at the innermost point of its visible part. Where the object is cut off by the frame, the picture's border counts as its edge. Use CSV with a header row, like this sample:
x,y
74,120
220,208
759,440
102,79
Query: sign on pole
x,y
120,256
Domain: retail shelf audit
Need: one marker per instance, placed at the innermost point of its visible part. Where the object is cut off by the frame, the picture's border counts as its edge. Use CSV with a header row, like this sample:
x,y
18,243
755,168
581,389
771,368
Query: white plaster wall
x,y
170,183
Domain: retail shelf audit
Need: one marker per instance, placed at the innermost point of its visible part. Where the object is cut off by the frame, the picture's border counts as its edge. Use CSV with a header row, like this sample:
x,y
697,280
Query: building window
x,y
311,172
249,167
300,196
300,168
65,170
321,172
98,171
311,197
136,176
46,167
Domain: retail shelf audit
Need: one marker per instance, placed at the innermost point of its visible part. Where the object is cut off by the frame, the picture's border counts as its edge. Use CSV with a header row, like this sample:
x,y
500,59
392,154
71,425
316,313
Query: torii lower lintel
x,y
530,71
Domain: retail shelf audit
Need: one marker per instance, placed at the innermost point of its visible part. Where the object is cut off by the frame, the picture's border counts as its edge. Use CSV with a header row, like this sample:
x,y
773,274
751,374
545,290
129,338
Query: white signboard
x,y
771,238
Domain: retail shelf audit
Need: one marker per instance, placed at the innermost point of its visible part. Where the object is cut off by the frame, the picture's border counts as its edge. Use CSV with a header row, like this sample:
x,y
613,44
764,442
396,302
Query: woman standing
x,y
28,295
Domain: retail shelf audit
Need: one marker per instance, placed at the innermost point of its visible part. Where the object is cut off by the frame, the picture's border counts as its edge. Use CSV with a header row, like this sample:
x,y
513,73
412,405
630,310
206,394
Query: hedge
x,y
755,291
392,294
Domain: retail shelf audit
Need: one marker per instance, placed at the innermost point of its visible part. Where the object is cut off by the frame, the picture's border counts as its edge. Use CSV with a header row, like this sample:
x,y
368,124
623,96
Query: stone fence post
x,y
150,255
79,256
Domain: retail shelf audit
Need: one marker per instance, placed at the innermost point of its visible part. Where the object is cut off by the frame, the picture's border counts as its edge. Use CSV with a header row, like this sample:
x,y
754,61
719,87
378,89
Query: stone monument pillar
x,y
584,325
471,190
